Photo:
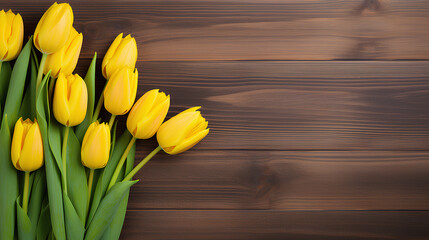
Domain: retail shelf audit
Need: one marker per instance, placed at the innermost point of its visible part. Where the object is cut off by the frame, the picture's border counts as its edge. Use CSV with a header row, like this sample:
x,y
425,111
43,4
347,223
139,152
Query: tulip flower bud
x,y
70,100
147,114
65,60
182,131
96,146
53,29
120,91
122,53
27,146
11,35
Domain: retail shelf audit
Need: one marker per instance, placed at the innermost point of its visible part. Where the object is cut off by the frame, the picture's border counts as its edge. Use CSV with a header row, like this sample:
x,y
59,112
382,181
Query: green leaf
x,y
103,181
107,209
130,160
5,72
34,55
25,110
114,230
53,177
38,192
51,236
55,141
76,177
8,174
8,184
33,83
75,228
25,228
17,84
44,222
112,145
97,175
90,85
96,198
28,108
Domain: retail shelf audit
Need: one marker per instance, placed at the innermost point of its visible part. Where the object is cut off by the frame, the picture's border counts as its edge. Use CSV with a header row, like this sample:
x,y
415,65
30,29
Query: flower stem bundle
x,y
68,174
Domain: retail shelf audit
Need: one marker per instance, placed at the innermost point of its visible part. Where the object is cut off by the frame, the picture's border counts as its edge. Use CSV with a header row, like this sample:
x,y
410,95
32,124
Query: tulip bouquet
x,y
64,174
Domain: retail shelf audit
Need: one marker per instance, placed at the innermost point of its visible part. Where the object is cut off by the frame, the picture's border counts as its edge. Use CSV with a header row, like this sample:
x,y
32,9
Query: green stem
x,y
40,73
112,120
25,195
99,105
90,180
63,157
142,163
121,163
1,62
51,88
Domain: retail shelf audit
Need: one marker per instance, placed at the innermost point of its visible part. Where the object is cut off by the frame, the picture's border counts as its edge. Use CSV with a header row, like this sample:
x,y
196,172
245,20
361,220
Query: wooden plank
x,y
288,105
285,180
297,225
250,29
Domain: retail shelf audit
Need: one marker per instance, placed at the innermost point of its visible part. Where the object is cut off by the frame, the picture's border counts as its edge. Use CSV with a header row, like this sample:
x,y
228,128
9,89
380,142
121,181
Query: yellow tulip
x,y
65,59
96,146
148,114
120,91
182,131
27,146
122,53
70,100
11,35
53,29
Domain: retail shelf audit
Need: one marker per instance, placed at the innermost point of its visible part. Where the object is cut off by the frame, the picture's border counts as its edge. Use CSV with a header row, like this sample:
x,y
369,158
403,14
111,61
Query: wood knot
x,y
369,7
265,181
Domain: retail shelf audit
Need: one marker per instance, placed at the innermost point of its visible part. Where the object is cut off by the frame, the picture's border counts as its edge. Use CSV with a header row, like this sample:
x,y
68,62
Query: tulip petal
x,y
176,129
71,55
192,109
60,102
141,110
122,53
119,95
32,151
138,110
16,37
189,142
3,34
127,52
150,123
65,60
96,149
147,102
199,127
103,150
96,146
78,100
58,20
11,35
27,146
17,142
109,54
39,26
90,85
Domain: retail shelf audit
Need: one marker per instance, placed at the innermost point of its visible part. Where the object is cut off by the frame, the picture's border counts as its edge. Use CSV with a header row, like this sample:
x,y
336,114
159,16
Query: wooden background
x,y
319,114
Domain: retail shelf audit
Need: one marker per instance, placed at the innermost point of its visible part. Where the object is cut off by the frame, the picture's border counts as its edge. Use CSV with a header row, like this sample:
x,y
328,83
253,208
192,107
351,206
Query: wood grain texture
x,y
311,145
297,225
287,105
285,180
250,29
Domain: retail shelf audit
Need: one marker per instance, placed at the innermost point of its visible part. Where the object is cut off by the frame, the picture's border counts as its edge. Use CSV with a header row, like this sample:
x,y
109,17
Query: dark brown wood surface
x,y
319,115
